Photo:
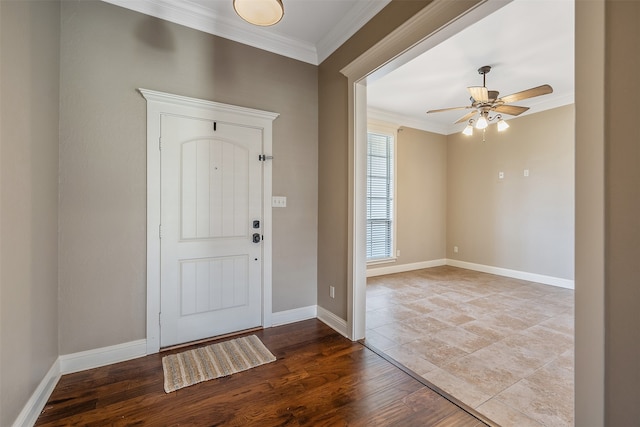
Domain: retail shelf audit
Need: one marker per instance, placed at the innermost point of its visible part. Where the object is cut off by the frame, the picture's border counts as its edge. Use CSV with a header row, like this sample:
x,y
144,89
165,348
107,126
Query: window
x,y
380,189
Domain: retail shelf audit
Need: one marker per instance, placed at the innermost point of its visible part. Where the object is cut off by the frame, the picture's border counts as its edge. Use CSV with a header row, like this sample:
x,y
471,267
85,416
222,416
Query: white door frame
x,y
433,24
164,103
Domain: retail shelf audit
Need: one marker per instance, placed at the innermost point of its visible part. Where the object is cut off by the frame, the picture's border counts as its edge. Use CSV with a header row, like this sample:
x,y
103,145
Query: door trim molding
x,y
436,22
165,103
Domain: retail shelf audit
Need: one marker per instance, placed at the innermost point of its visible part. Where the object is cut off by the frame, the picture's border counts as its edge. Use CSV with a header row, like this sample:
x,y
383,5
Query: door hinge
x,y
264,157
160,231
160,143
215,126
160,318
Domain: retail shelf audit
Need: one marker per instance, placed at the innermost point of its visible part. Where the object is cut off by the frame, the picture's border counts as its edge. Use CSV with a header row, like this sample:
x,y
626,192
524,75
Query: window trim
x,y
388,129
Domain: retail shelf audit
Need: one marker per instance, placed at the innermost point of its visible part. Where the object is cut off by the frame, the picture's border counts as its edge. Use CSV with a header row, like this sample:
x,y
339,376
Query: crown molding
x,y
446,129
548,103
359,15
195,16
411,122
199,18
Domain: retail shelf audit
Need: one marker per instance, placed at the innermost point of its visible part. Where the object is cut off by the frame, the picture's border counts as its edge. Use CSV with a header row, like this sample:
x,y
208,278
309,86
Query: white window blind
x,y
379,196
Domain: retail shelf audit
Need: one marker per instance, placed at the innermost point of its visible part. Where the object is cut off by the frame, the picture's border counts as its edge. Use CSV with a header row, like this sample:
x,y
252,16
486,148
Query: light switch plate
x,y
279,202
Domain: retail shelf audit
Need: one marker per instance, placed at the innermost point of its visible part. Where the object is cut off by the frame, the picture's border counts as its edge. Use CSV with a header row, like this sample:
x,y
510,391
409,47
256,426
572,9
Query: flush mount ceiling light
x,y
259,12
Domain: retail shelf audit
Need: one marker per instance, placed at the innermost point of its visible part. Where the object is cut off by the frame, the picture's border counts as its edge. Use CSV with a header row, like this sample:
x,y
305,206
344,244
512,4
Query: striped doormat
x,y
213,361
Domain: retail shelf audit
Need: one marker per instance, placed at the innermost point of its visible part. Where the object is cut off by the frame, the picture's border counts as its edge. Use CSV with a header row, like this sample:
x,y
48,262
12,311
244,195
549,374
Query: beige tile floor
x,y
502,346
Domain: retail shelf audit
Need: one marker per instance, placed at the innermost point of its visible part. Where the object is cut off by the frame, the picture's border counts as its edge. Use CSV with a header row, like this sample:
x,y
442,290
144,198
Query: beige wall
x,y
449,194
519,223
27,184
29,84
622,214
595,35
333,152
106,53
590,202
421,197
607,213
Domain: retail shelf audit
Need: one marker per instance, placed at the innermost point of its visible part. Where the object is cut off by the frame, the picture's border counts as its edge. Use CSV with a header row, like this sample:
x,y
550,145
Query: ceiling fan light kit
x,y
263,13
482,123
484,102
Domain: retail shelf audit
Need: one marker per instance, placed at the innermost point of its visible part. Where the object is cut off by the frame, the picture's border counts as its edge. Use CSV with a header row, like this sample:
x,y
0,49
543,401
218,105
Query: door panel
x,y
211,194
208,284
215,194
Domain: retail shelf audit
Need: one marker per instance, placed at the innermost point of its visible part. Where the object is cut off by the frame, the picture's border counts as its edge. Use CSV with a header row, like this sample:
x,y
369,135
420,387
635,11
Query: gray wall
x,y
519,223
106,53
29,64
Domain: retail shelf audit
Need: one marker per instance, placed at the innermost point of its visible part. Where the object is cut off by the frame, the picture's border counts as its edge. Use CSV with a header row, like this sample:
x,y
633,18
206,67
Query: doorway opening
x,y
357,303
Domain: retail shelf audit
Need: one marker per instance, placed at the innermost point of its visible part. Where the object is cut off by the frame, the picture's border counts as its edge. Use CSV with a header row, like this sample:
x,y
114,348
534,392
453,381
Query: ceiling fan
x,y
484,101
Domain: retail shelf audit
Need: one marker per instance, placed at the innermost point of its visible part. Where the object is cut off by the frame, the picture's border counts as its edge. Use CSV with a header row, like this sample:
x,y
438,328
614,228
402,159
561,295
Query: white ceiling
x,y
527,43
309,31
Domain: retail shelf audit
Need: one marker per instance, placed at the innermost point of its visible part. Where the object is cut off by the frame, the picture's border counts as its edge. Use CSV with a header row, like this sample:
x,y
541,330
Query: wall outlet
x,y
332,291
398,253
455,249
500,175
526,172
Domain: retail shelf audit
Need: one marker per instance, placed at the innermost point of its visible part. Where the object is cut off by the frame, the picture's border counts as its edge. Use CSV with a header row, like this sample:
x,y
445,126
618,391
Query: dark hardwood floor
x,y
319,378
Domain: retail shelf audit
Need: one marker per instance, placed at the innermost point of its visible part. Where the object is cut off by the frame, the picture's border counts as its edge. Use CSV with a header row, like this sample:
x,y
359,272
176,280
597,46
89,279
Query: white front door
x,y
211,228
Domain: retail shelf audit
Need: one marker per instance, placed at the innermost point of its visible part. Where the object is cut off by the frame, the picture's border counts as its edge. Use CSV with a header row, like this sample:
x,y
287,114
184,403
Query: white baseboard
x,y
523,275
333,321
401,268
34,406
295,315
90,359
75,362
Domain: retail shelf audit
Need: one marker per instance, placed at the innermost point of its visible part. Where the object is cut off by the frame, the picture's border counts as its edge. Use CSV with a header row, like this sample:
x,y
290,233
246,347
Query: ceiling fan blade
x,y
479,93
466,117
448,109
529,93
512,110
